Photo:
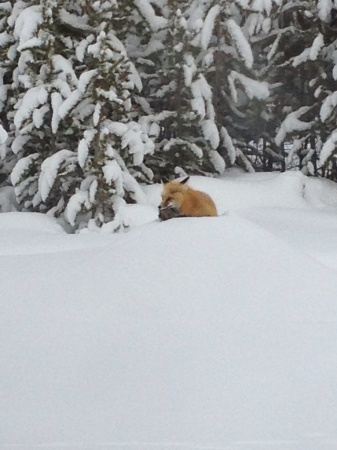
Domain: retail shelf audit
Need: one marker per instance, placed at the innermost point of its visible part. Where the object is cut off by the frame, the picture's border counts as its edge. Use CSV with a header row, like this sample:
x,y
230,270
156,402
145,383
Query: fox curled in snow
x,y
179,200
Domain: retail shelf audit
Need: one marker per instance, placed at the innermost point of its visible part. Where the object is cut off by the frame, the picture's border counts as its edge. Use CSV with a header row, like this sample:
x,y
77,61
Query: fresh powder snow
x,y
195,333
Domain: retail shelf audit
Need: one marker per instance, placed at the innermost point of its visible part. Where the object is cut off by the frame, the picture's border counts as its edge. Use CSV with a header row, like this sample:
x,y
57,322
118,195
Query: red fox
x,y
179,200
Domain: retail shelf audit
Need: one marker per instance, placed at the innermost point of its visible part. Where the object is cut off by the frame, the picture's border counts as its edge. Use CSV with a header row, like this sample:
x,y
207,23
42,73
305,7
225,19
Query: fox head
x,y
172,198
173,194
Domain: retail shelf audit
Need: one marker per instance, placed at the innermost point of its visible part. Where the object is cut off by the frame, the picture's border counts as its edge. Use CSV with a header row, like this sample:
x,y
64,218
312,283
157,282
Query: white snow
x,y
22,166
205,333
329,147
31,43
69,103
18,143
27,23
262,5
302,57
210,133
183,143
56,102
324,8
202,98
85,79
208,26
83,147
3,135
293,123
76,202
217,161
155,22
252,88
65,70
328,105
49,171
32,99
189,69
228,144
112,171
317,46
240,43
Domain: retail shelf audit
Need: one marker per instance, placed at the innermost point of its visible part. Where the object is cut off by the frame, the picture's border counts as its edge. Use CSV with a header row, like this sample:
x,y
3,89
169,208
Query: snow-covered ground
x,y
208,333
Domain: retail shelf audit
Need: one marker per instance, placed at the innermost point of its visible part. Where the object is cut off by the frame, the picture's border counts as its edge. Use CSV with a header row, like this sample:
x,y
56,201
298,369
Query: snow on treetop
x,y
32,99
31,43
6,6
3,135
316,47
155,22
293,123
210,132
217,161
228,144
189,69
328,148
65,107
183,143
75,21
83,146
74,206
21,167
49,171
85,79
252,88
112,173
208,26
240,42
27,23
19,142
324,8
302,57
202,96
63,67
134,77
328,105
262,5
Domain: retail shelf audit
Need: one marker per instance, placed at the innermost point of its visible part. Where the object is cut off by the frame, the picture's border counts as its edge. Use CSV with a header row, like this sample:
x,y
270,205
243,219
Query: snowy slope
x,y
214,333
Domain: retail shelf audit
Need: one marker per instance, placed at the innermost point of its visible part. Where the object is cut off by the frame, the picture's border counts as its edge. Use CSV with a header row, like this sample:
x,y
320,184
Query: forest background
x,y
98,98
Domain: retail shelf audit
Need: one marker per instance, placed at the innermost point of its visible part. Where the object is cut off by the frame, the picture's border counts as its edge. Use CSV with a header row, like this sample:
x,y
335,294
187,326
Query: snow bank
x,y
187,334
246,191
29,223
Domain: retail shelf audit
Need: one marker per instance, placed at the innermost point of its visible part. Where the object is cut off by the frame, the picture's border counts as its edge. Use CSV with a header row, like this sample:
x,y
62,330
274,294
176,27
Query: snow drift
x,y
193,333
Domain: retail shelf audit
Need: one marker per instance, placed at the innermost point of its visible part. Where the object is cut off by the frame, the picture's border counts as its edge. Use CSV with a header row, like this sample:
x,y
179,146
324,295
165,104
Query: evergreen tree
x,y
8,12
44,72
83,147
113,145
304,51
98,97
181,115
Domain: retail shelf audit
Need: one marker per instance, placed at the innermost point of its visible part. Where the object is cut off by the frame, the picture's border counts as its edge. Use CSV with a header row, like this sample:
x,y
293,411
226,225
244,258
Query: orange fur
x,y
188,201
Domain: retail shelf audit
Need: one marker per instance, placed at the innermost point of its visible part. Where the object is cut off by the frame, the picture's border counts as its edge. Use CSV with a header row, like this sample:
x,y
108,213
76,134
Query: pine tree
x,y
113,145
80,145
324,49
7,66
181,115
303,50
44,71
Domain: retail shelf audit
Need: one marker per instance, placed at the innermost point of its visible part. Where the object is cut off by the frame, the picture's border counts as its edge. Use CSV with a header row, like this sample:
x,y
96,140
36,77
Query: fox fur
x,y
180,200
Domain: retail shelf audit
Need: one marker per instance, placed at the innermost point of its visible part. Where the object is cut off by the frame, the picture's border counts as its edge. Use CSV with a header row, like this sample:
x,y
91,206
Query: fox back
x,y
182,200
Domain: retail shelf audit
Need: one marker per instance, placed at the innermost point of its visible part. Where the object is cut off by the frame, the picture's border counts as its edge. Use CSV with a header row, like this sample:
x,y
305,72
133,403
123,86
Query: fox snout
x,y
169,211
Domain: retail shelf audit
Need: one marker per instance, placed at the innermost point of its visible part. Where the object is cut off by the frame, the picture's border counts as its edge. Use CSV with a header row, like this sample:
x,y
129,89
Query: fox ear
x,y
185,180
